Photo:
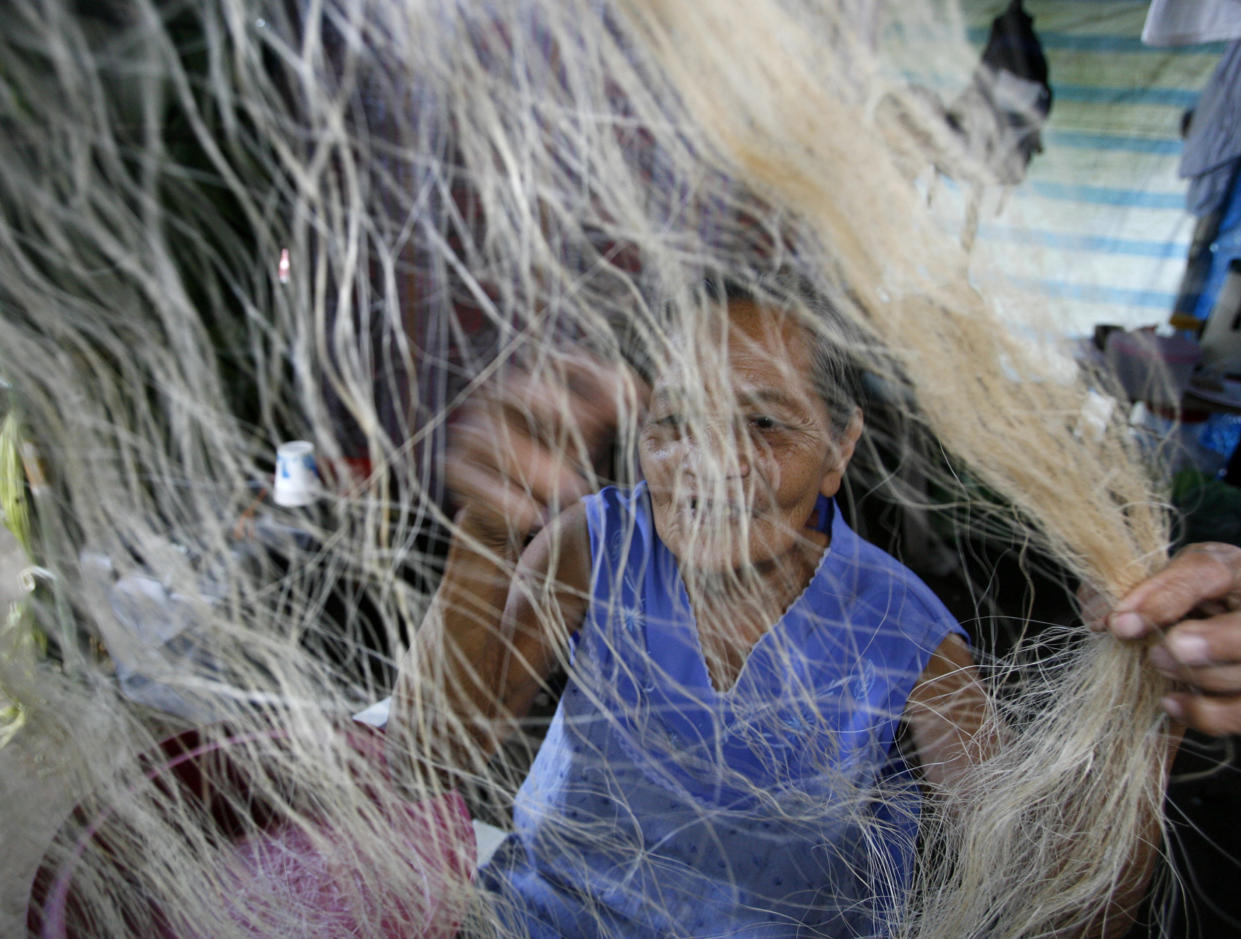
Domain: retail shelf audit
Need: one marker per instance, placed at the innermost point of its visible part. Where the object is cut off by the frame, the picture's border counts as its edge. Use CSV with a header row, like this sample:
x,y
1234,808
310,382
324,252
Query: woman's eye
x,y
670,421
763,422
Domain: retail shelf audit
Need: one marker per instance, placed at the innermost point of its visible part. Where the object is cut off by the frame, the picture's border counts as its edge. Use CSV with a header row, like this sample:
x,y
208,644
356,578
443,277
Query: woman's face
x,y
737,446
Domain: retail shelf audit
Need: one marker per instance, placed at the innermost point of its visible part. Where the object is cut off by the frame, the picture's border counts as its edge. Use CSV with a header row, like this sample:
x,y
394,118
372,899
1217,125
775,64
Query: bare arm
x,y
521,450
949,722
945,715
495,630
1194,604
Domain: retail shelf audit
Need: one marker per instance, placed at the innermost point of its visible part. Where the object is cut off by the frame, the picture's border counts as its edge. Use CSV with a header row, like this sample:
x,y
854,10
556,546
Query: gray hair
x,y
835,372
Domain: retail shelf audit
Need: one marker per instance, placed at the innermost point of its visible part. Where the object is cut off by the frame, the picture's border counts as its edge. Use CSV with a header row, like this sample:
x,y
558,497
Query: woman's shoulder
x,y
884,588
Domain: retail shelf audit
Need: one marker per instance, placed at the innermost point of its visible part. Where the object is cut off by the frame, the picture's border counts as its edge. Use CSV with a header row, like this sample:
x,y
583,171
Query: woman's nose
x,y
743,451
714,449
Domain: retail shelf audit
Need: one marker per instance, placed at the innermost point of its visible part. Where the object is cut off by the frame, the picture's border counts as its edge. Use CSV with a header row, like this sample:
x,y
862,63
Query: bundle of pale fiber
x,y
465,188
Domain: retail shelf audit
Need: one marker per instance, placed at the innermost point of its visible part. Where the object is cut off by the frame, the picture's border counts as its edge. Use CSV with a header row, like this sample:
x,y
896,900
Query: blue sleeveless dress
x,y
658,806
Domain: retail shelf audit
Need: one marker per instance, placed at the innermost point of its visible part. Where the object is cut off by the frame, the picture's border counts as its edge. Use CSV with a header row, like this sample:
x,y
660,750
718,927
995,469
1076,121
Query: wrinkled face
x,y
737,447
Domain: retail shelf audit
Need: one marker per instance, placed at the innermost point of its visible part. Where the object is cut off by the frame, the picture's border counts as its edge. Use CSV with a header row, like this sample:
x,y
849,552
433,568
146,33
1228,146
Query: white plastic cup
x,y
297,476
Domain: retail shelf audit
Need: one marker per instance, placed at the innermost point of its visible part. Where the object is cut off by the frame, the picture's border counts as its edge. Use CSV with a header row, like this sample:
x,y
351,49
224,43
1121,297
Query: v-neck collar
x,y
672,650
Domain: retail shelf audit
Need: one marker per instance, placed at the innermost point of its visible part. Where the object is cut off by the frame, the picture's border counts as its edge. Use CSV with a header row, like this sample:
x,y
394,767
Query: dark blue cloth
x,y
1213,144
659,806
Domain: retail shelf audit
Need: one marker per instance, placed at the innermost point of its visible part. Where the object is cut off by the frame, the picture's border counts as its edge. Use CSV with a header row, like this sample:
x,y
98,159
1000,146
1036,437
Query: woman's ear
x,y
843,445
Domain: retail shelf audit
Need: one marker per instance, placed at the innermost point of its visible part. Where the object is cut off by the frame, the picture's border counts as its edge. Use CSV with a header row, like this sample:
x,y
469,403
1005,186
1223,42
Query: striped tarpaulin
x,y
1100,222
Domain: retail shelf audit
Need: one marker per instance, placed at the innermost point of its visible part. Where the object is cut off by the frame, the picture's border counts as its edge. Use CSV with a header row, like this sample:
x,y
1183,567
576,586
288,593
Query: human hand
x,y
525,446
1196,602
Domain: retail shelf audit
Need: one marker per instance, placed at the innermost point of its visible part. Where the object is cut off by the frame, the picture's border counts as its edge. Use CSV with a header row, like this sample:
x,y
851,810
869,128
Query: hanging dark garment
x,y
1002,112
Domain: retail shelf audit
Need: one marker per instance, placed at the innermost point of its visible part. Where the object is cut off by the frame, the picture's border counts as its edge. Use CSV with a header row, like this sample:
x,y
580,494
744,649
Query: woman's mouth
x,y
709,510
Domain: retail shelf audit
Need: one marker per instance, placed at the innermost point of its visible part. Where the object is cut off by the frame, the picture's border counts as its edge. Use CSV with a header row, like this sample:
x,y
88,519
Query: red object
x,y
284,864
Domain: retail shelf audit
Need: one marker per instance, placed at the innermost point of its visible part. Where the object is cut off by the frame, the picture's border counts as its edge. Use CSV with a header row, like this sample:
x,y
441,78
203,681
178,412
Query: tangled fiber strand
x,y
467,191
